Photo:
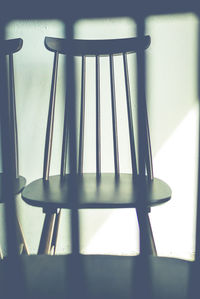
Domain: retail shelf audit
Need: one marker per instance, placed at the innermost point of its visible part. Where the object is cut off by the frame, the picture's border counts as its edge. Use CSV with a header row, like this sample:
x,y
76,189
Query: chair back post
x,y
65,144
76,276
13,116
82,115
141,126
130,117
7,161
71,125
114,116
50,121
149,159
9,137
143,271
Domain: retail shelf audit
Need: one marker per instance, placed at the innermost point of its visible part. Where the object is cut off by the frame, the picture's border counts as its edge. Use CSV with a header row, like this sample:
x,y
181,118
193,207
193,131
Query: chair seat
x,y
102,276
19,185
104,193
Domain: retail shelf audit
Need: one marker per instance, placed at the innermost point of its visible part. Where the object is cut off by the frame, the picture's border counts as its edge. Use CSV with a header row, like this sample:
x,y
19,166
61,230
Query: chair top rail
x,y
79,47
11,46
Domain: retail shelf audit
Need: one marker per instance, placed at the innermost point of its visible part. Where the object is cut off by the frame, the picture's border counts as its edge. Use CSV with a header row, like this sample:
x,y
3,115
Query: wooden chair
x,y
8,48
96,190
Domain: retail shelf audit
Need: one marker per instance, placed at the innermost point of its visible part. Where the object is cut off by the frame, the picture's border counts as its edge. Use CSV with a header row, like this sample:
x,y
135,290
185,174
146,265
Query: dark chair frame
x,y
8,48
38,193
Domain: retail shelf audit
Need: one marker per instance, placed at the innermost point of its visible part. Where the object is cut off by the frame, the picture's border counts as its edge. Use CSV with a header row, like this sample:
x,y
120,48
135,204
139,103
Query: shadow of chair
x,y
8,48
96,190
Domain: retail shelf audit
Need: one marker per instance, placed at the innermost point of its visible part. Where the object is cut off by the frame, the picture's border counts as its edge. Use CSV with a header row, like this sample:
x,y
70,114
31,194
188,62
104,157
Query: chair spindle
x,y
114,115
130,117
50,122
82,117
65,141
64,144
98,122
149,162
13,116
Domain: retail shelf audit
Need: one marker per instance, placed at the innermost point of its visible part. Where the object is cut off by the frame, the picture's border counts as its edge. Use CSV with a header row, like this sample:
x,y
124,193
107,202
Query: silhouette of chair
x,y
8,48
96,190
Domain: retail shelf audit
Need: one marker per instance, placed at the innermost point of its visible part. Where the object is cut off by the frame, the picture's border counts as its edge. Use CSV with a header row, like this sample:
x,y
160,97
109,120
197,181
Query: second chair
x,y
8,48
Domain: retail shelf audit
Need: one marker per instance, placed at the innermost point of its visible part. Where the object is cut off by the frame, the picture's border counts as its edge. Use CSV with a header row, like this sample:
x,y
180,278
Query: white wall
x,y
172,98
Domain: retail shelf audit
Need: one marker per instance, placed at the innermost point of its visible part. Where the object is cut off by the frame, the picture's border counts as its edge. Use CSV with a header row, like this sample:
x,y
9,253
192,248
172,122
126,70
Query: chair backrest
x,y
96,48
8,48
12,272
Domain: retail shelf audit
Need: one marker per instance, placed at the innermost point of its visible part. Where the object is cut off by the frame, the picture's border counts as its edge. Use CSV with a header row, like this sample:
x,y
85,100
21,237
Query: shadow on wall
x,y
172,65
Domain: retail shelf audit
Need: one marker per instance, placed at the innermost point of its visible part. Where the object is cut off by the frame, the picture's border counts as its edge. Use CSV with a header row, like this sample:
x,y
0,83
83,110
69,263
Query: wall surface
x,y
172,106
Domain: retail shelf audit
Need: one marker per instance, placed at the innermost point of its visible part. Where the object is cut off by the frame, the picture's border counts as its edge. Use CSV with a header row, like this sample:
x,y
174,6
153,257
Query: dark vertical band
x,y
197,240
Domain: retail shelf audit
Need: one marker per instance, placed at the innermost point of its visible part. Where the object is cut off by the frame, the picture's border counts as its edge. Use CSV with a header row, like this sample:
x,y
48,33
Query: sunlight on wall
x,y
174,222
172,95
171,72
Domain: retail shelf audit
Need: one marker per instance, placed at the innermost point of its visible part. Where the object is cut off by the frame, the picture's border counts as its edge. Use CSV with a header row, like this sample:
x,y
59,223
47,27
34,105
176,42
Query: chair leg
x,y
151,238
151,243
23,246
55,232
23,249
47,232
